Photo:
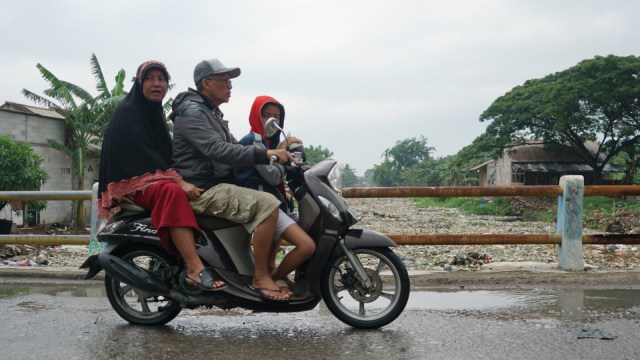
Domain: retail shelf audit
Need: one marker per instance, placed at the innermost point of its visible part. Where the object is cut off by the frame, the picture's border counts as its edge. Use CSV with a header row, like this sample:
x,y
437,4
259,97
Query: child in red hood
x,y
270,178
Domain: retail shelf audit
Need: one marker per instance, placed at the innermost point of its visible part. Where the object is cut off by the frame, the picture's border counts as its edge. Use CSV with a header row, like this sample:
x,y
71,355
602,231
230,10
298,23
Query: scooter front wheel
x,y
361,306
137,306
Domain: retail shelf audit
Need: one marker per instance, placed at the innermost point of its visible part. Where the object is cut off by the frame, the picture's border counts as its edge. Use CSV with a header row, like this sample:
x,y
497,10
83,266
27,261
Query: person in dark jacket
x,y
271,179
135,165
204,153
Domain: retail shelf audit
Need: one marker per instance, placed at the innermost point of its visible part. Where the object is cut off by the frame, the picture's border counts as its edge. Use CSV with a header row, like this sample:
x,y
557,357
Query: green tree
x,y
20,169
368,176
408,153
384,175
349,177
85,117
317,154
597,100
431,172
483,148
400,160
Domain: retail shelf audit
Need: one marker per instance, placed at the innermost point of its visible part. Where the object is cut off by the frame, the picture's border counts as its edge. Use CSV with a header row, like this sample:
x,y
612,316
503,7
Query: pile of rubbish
x,y
23,255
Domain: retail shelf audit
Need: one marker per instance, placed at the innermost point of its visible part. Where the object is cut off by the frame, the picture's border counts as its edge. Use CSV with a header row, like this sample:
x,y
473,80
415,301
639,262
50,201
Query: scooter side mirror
x,y
271,127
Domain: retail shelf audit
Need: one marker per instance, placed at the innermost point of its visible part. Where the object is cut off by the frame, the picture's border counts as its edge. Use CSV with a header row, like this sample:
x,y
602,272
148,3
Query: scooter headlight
x,y
335,178
109,228
333,210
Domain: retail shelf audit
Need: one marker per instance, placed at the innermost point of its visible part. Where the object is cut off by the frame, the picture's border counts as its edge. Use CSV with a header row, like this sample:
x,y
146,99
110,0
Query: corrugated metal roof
x,y
538,152
30,110
482,165
557,167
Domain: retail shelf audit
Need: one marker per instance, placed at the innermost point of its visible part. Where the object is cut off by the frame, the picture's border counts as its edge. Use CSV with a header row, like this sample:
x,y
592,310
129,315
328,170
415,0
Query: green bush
x,y
19,167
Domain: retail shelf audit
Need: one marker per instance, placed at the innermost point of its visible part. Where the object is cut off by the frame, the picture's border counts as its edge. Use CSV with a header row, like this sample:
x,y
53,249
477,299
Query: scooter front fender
x,y
355,239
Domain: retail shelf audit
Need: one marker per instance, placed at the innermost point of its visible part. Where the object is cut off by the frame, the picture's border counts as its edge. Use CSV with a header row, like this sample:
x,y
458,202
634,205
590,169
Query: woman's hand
x,y
193,192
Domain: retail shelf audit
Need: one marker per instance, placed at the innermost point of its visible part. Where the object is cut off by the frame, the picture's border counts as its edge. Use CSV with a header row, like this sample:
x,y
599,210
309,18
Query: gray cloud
x,y
355,76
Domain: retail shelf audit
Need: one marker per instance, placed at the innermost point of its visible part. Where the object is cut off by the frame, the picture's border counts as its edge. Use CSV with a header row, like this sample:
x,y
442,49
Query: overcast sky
x,y
354,76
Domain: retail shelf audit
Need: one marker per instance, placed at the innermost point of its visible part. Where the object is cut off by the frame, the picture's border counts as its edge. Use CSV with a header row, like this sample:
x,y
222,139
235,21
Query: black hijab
x,y
137,140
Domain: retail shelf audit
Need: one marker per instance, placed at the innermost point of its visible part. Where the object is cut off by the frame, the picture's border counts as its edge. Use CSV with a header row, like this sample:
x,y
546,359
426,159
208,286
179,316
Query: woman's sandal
x,y
207,280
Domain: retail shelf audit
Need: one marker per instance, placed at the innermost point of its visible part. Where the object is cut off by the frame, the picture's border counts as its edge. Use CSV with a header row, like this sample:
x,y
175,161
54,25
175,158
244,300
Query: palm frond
x,y
114,101
101,84
79,92
118,89
167,106
54,95
60,147
58,86
40,100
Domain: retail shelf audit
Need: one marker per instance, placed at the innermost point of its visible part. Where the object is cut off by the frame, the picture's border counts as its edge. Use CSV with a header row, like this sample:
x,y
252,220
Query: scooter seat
x,y
213,222
130,206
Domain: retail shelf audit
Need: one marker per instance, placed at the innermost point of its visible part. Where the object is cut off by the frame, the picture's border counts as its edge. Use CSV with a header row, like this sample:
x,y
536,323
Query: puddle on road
x,y
14,290
478,299
578,305
565,303
512,299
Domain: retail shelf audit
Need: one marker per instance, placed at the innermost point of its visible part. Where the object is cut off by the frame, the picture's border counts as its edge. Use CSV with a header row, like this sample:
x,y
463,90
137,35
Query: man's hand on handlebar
x,y
282,155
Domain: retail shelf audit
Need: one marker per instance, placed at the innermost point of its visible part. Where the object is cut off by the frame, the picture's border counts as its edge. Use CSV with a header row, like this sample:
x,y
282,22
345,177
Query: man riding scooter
x,y
204,152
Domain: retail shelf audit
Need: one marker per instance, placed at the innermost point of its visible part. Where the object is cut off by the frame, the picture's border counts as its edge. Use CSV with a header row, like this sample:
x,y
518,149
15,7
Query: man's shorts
x,y
242,205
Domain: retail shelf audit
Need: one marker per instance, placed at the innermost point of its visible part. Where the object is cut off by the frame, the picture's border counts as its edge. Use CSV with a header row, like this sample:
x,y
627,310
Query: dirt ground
x,y
525,265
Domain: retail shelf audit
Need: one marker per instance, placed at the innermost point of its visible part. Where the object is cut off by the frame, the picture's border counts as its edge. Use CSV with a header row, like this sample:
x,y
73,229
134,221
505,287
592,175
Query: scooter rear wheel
x,y
137,306
366,307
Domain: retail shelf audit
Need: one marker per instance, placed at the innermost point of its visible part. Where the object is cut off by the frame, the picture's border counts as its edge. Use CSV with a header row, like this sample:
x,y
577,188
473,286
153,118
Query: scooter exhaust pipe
x,y
133,275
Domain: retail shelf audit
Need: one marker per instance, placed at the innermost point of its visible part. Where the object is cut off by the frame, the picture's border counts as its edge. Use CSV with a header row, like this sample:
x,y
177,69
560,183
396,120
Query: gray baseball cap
x,y
211,67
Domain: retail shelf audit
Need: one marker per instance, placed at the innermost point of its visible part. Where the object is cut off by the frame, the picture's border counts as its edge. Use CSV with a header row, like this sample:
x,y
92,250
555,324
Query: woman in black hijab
x,y
135,165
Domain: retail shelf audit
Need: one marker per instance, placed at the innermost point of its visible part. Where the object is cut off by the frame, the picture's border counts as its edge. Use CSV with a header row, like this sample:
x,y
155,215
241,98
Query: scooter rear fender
x,y
133,275
114,242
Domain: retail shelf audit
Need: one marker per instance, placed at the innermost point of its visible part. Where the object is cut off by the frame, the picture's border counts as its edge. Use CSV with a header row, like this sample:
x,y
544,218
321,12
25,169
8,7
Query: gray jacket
x,y
204,151
272,174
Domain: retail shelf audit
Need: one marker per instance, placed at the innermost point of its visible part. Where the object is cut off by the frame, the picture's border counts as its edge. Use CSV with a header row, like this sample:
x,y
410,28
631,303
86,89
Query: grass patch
x,y
601,212
543,216
610,206
597,210
472,206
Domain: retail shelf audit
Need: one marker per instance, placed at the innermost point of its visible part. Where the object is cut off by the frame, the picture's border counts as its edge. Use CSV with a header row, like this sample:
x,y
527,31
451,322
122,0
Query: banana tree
x,y
85,117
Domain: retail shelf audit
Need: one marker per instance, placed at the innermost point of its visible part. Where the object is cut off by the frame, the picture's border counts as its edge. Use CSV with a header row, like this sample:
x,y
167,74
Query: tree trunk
x,y
80,221
597,176
631,168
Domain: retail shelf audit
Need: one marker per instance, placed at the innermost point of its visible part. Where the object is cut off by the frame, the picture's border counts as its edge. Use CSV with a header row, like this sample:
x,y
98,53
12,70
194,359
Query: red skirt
x,y
169,208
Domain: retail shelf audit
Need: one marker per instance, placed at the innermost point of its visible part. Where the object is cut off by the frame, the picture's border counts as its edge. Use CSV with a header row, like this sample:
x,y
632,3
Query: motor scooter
x,y
360,279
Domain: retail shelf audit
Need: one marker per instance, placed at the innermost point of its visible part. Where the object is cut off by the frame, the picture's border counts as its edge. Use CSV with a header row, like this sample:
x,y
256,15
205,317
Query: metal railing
x,y
497,239
569,236
61,239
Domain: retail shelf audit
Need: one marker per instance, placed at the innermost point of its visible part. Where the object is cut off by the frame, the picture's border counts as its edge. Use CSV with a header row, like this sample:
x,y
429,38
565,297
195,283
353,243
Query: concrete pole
x,y
569,225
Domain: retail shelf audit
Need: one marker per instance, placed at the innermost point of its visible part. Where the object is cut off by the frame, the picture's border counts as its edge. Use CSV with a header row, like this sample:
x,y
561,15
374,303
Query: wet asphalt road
x,y
73,320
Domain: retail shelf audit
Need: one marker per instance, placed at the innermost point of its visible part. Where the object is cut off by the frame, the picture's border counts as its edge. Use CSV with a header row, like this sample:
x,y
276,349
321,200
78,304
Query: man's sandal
x,y
264,296
285,286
